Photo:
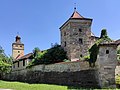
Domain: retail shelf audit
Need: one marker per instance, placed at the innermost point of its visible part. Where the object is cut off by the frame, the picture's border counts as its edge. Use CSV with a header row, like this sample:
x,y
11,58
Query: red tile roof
x,y
76,15
26,56
19,56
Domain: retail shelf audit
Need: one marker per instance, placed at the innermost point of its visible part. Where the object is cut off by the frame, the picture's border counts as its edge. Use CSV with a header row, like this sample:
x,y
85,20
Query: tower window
x,y
81,55
80,30
80,41
64,33
20,46
107,51
18,51
65,43
16,45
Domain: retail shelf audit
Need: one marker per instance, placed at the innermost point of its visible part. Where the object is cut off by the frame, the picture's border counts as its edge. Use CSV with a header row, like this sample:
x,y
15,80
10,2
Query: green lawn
x,y
25,86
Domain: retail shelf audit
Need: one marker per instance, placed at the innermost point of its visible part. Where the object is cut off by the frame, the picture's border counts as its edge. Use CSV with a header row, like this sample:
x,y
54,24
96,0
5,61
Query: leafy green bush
x,y
5,62
66,60
53,55
118,80
86,58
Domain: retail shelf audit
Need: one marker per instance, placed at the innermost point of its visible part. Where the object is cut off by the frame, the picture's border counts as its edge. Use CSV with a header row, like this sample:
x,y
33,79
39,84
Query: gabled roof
x,y
27,56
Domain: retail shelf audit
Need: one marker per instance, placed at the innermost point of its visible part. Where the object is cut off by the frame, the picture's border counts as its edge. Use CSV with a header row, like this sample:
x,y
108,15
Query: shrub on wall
x,y
53,55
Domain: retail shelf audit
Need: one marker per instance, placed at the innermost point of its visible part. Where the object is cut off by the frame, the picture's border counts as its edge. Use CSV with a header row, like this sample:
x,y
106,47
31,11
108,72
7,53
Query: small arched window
x,y
107,51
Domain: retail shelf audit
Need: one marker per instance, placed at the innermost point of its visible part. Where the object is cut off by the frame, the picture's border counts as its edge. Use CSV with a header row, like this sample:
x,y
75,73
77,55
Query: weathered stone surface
x,y
73,74
106,65
76,38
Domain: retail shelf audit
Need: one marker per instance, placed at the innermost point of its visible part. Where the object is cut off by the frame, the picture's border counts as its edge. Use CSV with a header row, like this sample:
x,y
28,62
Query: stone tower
x,y
17,48
76,36
107,61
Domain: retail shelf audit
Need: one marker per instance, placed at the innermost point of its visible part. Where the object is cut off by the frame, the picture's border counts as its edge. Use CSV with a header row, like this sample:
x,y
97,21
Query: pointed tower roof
x,y
76,14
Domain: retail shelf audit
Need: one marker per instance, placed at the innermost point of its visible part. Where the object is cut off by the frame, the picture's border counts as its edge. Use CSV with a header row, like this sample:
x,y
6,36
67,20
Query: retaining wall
x,y
72,73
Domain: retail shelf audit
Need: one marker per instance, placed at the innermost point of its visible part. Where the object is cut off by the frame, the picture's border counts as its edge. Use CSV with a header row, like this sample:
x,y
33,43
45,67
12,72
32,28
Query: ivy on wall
x,y
94,50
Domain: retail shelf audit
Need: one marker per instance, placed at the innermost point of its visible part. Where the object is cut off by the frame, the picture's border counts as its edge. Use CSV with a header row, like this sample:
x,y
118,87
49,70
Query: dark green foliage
x,y
53,55
94,50
104,34
118,51
5,62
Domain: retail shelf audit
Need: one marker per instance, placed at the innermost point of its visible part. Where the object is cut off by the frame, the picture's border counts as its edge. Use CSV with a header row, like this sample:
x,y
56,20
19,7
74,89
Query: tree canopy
x,y
5,62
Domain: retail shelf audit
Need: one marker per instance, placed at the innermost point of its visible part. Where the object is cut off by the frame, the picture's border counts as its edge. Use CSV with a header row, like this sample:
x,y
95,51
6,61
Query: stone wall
x,y
72,73
107,61
76,38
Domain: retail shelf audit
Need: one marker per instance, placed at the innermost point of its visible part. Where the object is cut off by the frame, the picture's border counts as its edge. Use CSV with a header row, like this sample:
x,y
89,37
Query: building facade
x,y
76,36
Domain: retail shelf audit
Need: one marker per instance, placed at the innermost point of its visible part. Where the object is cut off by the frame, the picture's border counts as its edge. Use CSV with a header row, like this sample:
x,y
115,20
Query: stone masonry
x,y
107,61
76,36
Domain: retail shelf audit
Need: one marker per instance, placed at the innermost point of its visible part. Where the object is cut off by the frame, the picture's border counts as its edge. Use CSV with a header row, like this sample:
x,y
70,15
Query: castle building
x,y
20,61
17,48
76,36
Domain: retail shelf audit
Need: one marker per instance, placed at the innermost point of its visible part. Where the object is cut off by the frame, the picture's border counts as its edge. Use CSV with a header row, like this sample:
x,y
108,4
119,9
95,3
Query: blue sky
x,y
38,21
